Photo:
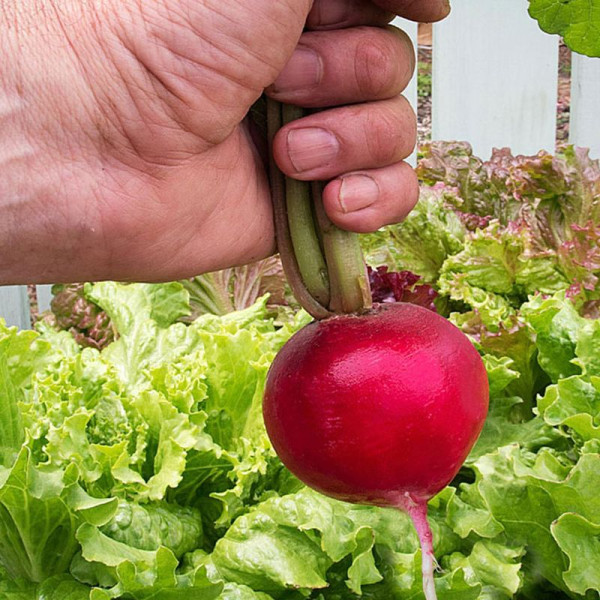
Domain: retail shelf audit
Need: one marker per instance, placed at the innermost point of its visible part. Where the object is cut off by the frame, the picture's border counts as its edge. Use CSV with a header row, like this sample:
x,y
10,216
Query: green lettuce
x,y
143,470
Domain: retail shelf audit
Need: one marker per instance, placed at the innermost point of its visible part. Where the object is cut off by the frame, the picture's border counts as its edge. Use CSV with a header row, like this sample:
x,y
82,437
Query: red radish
x,y
381,409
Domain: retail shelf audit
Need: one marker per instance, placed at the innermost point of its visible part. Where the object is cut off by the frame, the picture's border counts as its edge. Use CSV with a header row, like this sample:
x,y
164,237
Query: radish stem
x,y
302,226
417,511
350,291
324,265
282,230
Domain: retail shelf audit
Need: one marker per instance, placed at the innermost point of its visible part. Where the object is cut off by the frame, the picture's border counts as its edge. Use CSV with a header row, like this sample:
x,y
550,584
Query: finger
x,y
364,201
422,11
337,14
329,143
346,67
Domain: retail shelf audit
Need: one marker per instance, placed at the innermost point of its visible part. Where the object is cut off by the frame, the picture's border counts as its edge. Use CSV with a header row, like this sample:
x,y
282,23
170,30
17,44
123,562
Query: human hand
x,y
124,144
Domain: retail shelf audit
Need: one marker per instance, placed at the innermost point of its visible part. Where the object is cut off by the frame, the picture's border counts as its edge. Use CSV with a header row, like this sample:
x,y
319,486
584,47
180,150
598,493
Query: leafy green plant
x,y
424,79
143,470
578,21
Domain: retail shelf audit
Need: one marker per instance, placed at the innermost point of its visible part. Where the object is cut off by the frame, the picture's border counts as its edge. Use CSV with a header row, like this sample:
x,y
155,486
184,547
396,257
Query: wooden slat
x,y
44,297
585,104
14,306
411,91
495,78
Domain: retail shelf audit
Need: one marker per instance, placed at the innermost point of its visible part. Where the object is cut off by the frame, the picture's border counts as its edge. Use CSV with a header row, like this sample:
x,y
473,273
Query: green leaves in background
x,y
144,470
578,21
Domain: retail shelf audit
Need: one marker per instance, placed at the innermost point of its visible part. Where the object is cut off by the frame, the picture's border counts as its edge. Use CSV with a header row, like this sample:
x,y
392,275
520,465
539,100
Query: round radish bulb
x,y
378,409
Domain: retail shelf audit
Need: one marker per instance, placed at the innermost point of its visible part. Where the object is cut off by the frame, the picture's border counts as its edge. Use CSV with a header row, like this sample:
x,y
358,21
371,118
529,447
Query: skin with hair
x,y
125,147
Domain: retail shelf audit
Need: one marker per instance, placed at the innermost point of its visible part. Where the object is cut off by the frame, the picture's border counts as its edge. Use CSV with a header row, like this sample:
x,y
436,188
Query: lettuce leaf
x,y
144,470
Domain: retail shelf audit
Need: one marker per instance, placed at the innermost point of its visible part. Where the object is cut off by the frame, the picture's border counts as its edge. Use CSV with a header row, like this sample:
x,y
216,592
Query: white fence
x,y
495,84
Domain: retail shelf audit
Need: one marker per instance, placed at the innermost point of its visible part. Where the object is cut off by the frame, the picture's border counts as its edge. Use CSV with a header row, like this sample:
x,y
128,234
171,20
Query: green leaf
x,y
557,325
150,526
492,565
142,314
580,541
500,373
21,353
425,239
169,302
16,589
63,587
588,348
37,526
233,591
578,21
466,519
503,426
502,261
527,493
142,574
574,403
258,553
524,509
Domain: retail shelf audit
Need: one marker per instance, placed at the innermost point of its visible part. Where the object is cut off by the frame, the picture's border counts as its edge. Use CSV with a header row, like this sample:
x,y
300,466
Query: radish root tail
x,y
417,511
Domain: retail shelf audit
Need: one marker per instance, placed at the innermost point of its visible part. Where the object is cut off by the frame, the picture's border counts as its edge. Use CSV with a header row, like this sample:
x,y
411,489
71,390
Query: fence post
x,y
44,297
495,78
14,306
585,103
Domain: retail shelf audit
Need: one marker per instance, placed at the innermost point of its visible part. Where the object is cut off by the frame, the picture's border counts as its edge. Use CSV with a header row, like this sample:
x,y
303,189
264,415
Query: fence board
x,y
585,103
14,306
495,78
411,91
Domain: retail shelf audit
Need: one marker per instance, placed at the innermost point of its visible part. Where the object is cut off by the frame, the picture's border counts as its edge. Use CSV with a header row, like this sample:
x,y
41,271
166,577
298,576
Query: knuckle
x,y
390,135
406,55
375,69
407,200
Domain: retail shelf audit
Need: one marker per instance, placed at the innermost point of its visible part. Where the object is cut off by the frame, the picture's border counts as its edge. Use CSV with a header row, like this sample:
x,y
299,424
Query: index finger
x,y
422,11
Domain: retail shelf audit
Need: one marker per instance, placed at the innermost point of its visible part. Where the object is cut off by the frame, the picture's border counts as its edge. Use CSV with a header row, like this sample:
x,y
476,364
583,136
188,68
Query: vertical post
x,y
14,306
44,297
411,91
495,78
585,103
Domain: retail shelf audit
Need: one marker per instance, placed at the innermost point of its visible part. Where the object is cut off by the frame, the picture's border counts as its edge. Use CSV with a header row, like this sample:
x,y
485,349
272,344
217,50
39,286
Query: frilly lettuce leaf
x,y
421,243
527,493
538,222
556,324
141,574
147,464
549,193
41,510
502,261
578,538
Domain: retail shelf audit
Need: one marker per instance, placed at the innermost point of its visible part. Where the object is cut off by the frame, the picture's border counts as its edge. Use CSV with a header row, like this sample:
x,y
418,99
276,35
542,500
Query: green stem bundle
x,y
324,264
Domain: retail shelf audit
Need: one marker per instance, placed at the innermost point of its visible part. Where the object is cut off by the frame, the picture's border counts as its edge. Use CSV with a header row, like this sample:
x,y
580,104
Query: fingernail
x,y
358,192
311,147
303,70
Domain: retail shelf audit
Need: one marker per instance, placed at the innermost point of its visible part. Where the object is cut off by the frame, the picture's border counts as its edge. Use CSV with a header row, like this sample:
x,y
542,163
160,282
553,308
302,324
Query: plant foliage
x,y
578,21
143,470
